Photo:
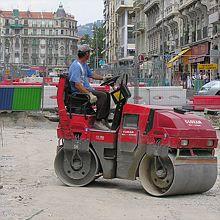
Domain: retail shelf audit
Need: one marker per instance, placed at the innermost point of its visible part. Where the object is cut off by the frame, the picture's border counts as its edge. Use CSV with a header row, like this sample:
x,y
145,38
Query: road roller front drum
x,y
76,169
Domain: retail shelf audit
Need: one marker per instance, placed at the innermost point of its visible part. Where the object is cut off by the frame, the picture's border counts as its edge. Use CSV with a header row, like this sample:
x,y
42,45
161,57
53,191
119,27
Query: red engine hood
x,y
183,125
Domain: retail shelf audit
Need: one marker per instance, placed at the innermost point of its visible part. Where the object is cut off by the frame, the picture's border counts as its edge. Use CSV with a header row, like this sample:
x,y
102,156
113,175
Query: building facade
x,y
110,25
183,31
126,40
37,38
119,25
171,36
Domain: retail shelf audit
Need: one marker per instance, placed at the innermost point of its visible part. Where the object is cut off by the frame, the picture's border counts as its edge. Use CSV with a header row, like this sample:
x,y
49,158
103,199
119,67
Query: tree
x,y
97,44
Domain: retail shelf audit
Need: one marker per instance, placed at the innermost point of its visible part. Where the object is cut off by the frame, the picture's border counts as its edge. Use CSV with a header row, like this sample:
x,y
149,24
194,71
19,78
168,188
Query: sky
x,y
85,11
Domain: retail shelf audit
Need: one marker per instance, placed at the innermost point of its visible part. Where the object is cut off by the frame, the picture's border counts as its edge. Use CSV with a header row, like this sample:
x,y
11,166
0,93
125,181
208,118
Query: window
x,y
6,22
50,61
25,22
25,42
62,51
17,31
56,32
16,22
7,43
7,31
34,31
25,50
25,31
130,121
17,44
42,31
62,24
50,32
34,50
62,32
17,55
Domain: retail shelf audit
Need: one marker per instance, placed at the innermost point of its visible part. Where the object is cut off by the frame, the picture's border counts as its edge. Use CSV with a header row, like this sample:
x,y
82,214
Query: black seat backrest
x,y
67,92
76,103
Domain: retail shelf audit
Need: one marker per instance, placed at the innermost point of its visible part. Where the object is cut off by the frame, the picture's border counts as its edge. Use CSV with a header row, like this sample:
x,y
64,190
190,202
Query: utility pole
x,y
163,48
97,49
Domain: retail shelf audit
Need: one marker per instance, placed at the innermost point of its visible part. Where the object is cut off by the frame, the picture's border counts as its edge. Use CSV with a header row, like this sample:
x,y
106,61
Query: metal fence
x,y
147,87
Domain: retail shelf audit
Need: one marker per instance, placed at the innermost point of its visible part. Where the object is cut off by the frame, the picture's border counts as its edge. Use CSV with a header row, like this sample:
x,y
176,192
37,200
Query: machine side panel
x,y
107,156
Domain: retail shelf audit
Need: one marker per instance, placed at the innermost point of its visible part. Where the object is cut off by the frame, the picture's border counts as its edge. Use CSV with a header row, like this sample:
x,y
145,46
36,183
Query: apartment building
x,y
126,40
178,33
111,27
119,25
38,38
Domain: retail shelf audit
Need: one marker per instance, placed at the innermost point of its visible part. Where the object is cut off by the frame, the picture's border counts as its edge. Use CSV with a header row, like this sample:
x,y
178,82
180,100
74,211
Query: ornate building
x,y
37,38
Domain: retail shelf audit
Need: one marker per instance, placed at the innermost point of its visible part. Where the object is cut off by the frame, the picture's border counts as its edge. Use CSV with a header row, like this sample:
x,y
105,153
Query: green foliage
x,y
96,43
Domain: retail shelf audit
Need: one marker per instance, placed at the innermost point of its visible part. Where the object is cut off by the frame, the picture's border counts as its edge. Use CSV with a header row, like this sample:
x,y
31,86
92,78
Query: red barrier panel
x,y
208,102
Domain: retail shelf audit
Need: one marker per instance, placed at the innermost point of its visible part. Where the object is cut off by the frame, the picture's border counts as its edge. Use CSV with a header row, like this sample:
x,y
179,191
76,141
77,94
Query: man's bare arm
x,y
81,88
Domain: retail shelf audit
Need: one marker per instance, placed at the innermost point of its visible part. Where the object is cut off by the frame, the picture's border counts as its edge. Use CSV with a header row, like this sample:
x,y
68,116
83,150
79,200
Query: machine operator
x,y
79,72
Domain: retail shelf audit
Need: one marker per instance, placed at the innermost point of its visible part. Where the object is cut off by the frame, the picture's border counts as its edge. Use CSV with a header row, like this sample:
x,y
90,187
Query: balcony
x,y
172,10
140,26
34,56
149,4
16,26
158,20
121,5
138,3
26,55
214,18
185,3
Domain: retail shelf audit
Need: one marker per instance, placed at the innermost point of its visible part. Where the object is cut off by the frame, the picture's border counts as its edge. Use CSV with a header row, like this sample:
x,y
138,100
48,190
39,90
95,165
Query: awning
x,y
170,63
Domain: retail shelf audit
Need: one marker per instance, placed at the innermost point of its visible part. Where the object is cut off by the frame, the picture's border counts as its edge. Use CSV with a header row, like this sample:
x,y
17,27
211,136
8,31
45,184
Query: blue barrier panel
x,y
6,98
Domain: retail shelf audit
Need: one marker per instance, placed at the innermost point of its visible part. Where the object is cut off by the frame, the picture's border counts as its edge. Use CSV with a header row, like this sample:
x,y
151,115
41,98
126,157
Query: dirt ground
x,y
31,189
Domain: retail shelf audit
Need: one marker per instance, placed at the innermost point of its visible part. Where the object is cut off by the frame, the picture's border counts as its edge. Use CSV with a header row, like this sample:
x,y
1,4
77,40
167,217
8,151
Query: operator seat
x,y
77,103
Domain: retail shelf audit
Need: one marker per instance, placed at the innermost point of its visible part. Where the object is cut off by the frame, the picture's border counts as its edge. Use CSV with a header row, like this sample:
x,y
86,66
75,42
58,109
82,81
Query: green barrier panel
x,y
198,83
27,99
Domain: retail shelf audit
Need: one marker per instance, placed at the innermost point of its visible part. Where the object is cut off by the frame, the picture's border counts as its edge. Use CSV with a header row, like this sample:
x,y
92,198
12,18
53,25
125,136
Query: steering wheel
x,y
110,81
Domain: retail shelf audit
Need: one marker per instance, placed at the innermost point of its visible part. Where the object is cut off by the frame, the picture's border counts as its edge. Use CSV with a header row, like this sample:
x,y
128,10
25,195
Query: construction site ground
x,y
29,188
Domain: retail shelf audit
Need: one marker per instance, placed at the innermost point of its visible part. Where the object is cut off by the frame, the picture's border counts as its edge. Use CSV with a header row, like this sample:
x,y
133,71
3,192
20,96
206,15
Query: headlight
x,y
184,142
210,143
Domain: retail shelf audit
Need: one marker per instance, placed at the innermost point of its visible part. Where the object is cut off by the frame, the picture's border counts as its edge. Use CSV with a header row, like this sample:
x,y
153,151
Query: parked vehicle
x,y
211,88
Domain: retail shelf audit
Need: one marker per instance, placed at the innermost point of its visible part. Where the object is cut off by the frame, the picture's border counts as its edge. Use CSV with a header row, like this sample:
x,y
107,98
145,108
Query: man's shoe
x,y
100,126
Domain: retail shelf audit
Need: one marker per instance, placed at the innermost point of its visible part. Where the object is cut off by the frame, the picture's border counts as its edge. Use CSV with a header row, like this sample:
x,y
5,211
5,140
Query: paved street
x,y
31,189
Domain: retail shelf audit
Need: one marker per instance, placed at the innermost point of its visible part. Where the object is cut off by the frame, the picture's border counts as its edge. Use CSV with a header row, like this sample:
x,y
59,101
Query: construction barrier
x,y
162,95
25,97
31,96
20,98
206,102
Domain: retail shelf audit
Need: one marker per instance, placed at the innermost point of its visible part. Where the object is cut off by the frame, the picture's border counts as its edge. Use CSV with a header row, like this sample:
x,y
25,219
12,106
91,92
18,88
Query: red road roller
x,y
170,151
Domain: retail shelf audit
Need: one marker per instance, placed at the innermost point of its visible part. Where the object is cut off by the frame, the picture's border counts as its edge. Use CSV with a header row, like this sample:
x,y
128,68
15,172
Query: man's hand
x,y
93,98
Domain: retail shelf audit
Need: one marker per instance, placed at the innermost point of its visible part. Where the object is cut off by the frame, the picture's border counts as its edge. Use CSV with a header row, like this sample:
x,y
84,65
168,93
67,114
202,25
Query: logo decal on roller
x,y
193,122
